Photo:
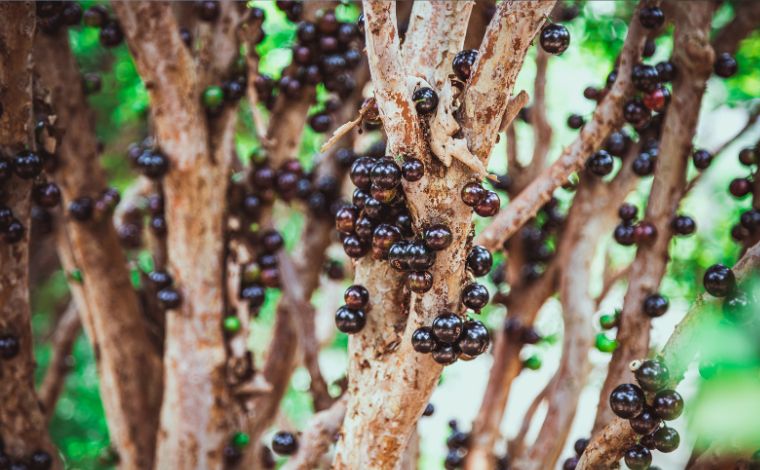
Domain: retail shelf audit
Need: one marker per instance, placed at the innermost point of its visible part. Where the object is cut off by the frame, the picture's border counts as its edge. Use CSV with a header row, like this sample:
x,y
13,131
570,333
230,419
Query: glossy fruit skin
x,y
360,172
646,422
645,77
657,100
580,446
398,256
350,321
385,174
667,404
638,457
738,309
489,204
354,247
463,62
27,165
383,237
447,327
570,463
666,70
81,209
284,443
627,212
153,164
475,296
437,237
9,346
46,195
425,100
479,261
627,401
111,34
40,460
345,219
600,164
643,164
684,225
644,233
356,296
652,375
413,169
445,354
651,17
169,298
575,121
666,439
320,122
472,193
636,113
475,339
719,280
419,281
655,305
207,10
748,156
423,340
160,279
624,235
725,65
420,258
254,294
554,38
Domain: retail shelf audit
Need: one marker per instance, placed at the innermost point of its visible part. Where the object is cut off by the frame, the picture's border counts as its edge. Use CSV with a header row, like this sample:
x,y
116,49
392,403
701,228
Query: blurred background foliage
x,y
722,407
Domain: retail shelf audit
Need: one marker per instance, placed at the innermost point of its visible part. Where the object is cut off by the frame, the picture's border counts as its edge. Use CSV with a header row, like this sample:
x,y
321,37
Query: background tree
x,y
211,283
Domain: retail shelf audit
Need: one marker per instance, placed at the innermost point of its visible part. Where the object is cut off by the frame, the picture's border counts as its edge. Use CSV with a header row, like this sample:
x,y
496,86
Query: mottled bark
x,y
22,421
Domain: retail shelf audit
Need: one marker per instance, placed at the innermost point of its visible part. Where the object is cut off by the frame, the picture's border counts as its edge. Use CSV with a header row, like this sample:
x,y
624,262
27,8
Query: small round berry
x,y
624,234
420,257
657,99
645,77
488,205
385,174
747,156
160,279
169,298
646,422
719,280
320,122
666,70
345,219
254,294
40,460
570,463
413,169
153,164
627,212
463,62
360,172
668,404
655,305
605,344
9,346
650,47
638,457
740,187
479,261
591,93
684,225
725,65
627,401
475,296
328,23
429,410
447,327
472,194
111,34
81,208
445,354
600,164
425,100
636,113
207,10
356,297
437,237
354,247
213,98
651,17
231,455
423,340
349,320
580,446
666,439
643,164
652,375
27,164
644,233
419,281
271,241
554,38
532,363
575,121
284,443
737,308
474,339
47,195
701,159
398,256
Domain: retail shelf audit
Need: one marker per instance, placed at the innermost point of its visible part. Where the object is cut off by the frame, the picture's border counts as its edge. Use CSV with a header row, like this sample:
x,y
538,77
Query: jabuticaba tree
x,y
405,230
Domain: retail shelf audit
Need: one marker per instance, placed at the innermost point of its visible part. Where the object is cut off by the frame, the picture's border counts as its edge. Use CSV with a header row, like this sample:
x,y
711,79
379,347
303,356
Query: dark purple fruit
x,y
627,401
655,305
667,404
425,100
419,281
638,457
725,65
683,225
719,280
652,375
475,296
666,439
356,297
479,261
488,205
27,164
646,422
412,169
437,237
474,339
447,327
423,340
349,320
600,163
284,443
554,38
651,17
445,354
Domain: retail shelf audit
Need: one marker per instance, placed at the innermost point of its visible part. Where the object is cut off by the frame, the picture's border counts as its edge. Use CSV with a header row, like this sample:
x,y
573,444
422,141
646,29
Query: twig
x,y
66,332
609,282
607,446
746,19
693,55
516,446
515,104
607,116
249,31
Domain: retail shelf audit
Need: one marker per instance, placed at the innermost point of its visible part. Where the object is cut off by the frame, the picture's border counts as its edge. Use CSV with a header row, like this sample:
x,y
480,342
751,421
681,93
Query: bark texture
x,y
130,368
22,421
694,56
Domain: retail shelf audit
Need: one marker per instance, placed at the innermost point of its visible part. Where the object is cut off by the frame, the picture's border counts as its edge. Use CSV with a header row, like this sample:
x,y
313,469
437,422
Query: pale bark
x,y
316,440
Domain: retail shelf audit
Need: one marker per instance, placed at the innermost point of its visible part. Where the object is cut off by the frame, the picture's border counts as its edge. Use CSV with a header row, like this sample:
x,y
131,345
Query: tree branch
x,y
607,116
746,19
693,56
66,332
607,446
315,441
